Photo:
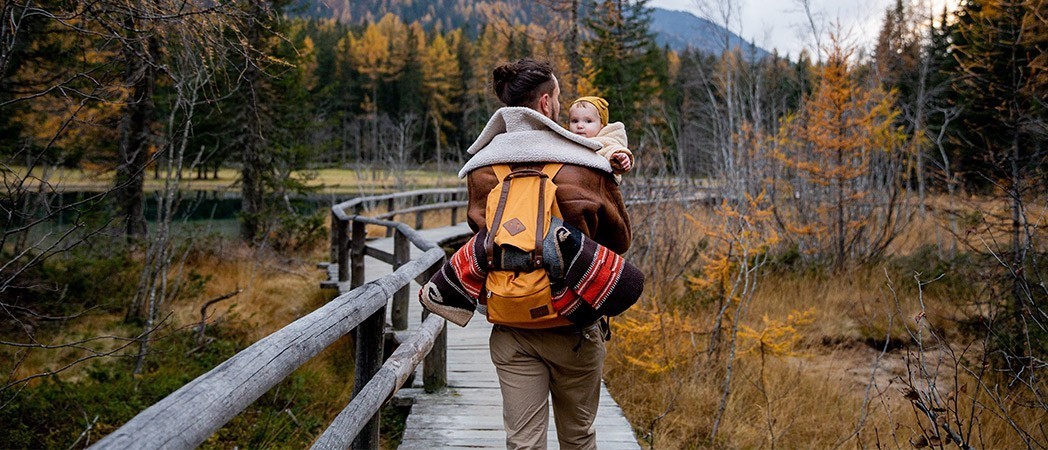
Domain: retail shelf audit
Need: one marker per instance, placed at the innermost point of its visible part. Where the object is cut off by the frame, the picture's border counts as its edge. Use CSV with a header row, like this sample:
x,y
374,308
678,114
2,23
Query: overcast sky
x,y
782,24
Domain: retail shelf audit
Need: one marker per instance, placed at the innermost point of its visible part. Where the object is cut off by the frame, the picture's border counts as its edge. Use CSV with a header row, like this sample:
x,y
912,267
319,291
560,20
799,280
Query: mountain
x,y
677,29
681,29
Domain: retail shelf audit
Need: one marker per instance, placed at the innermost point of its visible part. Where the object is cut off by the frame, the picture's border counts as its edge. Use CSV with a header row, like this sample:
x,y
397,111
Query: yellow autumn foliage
x,y
775,337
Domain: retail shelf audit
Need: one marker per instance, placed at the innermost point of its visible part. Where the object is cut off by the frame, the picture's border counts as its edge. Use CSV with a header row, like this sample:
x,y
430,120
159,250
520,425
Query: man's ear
x,y
544,106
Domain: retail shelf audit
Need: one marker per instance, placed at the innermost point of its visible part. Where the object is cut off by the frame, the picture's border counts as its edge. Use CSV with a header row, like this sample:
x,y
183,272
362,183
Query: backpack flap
x,y
519,209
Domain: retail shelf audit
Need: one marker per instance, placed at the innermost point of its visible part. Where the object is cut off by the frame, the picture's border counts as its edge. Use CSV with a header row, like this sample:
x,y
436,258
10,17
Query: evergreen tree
x,y
999,47
267,117
623,56
1000,133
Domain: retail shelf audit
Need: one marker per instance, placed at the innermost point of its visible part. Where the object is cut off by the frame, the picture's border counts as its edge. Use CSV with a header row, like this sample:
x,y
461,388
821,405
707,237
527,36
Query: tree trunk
x,y
840,211
574,58
251,173
252,146
134,135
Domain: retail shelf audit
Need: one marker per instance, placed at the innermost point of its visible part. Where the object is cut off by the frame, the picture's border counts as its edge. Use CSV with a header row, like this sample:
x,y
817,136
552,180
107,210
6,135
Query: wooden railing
x,y
187,417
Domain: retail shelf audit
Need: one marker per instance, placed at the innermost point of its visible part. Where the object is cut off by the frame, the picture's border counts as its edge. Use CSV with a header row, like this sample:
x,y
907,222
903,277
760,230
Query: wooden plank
x,y
469,413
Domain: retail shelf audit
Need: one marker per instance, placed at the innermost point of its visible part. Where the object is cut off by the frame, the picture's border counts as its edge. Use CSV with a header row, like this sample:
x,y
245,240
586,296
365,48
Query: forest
x,y
873,274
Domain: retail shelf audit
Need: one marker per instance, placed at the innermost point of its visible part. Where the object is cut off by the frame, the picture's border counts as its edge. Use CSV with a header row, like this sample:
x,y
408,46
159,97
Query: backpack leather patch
x,y
514,227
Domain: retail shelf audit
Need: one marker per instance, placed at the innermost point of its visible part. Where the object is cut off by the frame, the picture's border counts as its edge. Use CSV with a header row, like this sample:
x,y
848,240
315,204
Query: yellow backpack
x,y
518,215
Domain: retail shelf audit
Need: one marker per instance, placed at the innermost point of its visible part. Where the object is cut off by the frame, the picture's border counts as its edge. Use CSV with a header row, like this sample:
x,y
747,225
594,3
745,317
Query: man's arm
x,y
590,200
480,182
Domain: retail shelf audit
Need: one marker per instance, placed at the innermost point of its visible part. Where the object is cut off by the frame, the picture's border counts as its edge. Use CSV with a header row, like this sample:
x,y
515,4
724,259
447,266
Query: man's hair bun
x,y
520,83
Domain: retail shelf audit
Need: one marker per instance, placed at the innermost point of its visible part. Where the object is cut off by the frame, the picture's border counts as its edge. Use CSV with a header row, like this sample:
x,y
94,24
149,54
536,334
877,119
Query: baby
x,y
588,116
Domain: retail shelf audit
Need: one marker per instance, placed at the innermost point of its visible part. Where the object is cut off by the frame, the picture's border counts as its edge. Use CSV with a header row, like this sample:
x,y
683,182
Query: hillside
x,y
681,29
677,29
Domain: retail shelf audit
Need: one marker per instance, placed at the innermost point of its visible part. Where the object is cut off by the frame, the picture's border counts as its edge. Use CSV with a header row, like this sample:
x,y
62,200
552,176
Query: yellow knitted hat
x,y
599,103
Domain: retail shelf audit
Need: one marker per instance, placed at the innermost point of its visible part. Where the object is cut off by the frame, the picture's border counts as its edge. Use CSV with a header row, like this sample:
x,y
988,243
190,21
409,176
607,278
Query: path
x,y
469,413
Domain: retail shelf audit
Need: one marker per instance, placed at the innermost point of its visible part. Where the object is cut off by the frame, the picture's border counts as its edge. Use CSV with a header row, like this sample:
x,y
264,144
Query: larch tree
x,y
841,195
371,55
440,81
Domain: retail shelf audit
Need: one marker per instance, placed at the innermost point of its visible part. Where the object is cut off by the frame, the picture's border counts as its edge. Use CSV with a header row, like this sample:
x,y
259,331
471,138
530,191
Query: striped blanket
x,y
586,279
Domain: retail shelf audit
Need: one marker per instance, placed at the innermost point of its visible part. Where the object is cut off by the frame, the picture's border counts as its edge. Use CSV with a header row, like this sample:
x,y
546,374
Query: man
x,y
562,362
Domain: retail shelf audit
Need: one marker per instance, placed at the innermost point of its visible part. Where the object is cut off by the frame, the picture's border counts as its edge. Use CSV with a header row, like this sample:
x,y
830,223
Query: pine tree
x,y
999,47
266,116
623,55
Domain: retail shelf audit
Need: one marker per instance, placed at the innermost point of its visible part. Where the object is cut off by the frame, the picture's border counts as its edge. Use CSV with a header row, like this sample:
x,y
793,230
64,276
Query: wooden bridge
x,y
455,397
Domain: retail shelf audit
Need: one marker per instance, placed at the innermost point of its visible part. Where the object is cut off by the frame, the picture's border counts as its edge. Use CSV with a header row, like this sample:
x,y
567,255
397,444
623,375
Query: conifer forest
x,y
868,269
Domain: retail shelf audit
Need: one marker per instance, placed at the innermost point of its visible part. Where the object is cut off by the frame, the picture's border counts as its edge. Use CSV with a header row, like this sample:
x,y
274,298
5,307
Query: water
x,y
206,211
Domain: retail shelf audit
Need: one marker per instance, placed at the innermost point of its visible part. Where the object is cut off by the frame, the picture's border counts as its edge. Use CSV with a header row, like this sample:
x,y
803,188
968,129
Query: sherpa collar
x,y
517,134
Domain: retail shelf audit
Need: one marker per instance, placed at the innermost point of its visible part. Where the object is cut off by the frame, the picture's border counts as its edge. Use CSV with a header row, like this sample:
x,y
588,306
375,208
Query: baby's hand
x,y
622,160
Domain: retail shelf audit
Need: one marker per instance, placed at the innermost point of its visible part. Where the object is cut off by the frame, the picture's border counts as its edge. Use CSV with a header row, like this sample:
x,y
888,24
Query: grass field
x,y
830,359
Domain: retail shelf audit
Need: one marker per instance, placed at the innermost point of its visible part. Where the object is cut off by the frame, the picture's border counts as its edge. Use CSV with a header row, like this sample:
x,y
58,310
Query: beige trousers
x,y
534,365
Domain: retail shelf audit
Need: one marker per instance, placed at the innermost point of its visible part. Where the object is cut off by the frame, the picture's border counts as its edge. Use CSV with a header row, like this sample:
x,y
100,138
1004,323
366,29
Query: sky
x,y
782,24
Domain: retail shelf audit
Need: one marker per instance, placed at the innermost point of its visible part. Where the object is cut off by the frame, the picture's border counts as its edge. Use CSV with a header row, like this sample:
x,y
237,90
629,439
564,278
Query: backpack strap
x,y
501,170
550,169
505,175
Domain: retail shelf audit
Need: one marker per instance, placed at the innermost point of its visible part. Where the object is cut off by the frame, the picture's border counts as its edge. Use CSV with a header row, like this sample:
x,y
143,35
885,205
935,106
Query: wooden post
x,y
401,255
334,238
390,204
419,200
435,366
454,209
369,361
369,341
341,230
357,253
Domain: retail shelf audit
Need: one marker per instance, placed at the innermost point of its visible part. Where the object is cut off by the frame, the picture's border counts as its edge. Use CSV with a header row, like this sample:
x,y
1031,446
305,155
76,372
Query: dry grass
x,y
276,290
823,392
333,181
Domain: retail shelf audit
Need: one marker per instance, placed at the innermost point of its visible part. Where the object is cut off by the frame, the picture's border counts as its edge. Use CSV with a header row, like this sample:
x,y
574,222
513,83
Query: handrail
x,y
188,416
340,208
375,381
392,375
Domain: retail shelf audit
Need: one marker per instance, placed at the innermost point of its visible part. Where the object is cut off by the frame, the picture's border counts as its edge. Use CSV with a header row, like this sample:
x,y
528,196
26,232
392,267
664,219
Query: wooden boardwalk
x,y
469,413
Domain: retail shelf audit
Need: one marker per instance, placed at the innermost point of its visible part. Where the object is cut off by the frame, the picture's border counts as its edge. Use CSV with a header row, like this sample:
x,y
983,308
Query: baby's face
x,y
583,119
